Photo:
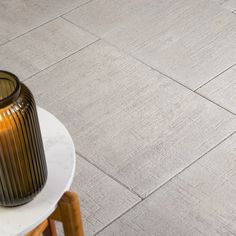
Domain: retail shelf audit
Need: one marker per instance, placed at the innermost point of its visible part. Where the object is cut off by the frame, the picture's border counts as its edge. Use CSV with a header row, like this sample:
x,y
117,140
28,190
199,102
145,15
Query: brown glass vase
x,y
23,170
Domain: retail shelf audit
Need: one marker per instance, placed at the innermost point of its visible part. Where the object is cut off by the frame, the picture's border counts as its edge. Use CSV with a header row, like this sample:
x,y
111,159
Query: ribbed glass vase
x,y
23,170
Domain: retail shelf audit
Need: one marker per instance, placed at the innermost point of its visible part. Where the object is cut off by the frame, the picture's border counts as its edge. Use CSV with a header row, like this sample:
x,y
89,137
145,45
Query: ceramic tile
x,y
132,122
19,16
42,47
199,201
190,41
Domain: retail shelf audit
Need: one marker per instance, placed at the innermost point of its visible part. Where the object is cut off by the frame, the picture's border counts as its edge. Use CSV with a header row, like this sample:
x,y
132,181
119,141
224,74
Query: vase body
x,y
23,169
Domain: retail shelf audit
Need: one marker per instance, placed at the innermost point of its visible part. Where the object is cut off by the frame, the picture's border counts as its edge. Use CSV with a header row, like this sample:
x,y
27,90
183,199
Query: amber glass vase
x,y
23,170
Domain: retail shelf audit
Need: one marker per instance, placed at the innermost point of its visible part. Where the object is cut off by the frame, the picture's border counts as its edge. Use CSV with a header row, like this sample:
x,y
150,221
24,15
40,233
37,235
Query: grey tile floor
x,y
147,89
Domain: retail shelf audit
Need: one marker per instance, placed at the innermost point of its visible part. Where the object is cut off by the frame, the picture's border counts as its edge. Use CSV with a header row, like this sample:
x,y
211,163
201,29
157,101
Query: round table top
x,y
60,156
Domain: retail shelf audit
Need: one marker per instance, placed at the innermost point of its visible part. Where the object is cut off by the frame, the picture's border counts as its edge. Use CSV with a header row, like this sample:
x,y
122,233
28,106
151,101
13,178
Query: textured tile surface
x,y
135,126
134,123
42,47
102,199
191,41
227,4
20,16
222,90
199,201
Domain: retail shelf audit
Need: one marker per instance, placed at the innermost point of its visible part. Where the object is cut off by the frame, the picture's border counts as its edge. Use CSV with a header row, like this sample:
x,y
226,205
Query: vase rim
x,y
15,92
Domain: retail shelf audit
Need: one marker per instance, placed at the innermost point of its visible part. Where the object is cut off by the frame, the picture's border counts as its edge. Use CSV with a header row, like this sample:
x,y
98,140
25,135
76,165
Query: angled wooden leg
x,y
39,229
68,212
51,229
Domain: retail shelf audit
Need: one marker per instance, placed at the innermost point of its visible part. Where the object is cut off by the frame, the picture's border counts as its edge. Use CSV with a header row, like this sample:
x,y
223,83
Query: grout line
x,y
124,213
192,163
214,77
89,1
118,181
160,186
61,60
80,27
55,18
174,80
201,95
81,5
18,36
7,41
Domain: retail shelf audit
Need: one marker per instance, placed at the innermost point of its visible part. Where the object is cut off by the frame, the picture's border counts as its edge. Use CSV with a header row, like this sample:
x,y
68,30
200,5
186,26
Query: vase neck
x,y
9,88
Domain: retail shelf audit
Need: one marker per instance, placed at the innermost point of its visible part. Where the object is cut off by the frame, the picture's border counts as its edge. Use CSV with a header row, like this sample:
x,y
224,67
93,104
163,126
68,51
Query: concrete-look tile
x,y
222,90
102,199
227,4
19,16
132,122
191,41
199,201
42,47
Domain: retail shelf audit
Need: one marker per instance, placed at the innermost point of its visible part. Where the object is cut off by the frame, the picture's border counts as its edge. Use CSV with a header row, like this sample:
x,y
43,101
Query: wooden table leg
x,y
39,229
68,212
51,229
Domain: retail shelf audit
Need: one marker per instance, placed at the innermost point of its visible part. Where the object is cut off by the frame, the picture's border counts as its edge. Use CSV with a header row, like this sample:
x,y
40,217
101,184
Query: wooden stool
x,y
67,212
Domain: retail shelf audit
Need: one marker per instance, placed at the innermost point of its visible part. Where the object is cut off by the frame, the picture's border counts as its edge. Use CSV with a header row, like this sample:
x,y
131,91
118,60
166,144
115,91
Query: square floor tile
x,y
135,124
191,41
199,201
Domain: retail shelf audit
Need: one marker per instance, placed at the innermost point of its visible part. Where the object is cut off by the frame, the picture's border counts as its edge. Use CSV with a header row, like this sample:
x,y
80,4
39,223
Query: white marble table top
x,y
60,155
